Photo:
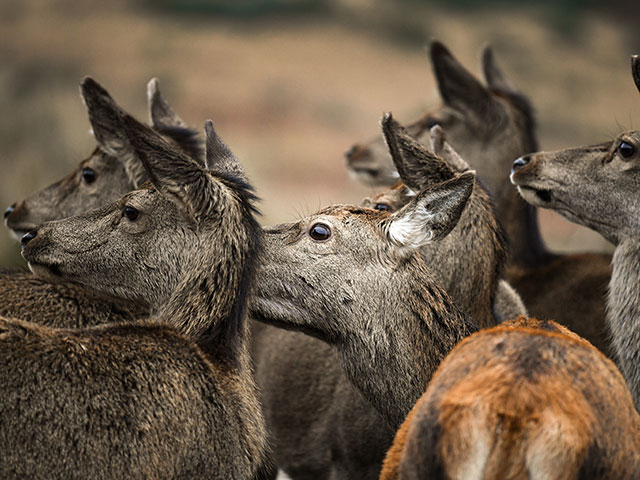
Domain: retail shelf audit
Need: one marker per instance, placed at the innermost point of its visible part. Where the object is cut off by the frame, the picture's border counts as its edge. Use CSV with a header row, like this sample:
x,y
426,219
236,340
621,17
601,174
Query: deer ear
x,y
161,115
417,166
176,175
431,215
104,116
635,70
458,88
493,74
106,120
219,158
445,151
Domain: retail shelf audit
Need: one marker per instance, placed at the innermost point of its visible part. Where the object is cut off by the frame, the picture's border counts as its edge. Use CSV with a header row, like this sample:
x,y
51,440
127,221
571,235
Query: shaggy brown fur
x,y
520,401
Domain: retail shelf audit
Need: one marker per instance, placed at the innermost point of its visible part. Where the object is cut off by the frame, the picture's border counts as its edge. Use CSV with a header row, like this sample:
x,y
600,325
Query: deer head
x,y
109,172
468,262
594,186
354,277
488,126
173,243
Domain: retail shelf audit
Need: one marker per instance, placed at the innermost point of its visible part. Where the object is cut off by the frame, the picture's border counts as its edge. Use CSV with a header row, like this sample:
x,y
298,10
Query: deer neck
x,y
477,235
520,222
393,358
209,303
623,312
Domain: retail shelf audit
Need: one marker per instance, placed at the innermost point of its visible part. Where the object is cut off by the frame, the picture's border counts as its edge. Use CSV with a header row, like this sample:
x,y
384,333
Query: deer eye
x,y
431,122
89,175
131,213
383,207
626,150
320,232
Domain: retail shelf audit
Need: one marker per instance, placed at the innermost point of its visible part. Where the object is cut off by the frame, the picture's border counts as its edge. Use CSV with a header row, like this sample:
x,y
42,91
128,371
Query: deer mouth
x,y
19,230
541,197
49,271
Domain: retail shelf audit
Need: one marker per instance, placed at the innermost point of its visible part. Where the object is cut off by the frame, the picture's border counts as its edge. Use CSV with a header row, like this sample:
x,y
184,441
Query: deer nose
x,y
27,237
520,162
8,211
351,152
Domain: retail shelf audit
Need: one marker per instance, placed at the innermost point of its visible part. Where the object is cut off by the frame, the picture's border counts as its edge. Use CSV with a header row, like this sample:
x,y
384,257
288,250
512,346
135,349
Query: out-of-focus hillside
x,y
290,91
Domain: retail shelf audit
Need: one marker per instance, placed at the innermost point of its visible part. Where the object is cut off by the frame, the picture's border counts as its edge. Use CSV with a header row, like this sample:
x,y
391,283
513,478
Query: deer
x,y
169,397
525,399
372,317
490,126
112,170
101,177
595,186
475,286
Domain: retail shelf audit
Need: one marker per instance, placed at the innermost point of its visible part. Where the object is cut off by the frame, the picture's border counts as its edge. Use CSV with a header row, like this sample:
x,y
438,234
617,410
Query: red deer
x,y
172,397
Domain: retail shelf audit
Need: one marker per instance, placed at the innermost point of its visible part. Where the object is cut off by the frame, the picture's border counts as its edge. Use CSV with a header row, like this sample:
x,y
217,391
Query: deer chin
x,y
370,175
50,272
539,197
282,313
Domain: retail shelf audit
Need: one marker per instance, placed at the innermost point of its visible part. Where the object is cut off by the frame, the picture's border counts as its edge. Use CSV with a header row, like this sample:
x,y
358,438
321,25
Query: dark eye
x,y
431,122
626,150
383,207
88,175
131,213
320,232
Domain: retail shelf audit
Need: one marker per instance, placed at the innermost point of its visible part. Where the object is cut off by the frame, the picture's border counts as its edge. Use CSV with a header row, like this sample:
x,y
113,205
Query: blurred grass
x,y
292,84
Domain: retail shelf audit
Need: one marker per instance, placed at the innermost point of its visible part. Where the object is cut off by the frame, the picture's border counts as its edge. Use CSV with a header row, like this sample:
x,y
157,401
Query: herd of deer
x,y
164,334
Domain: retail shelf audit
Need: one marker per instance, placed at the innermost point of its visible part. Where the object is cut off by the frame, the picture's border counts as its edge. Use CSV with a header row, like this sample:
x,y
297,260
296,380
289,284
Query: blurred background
x,y
291,84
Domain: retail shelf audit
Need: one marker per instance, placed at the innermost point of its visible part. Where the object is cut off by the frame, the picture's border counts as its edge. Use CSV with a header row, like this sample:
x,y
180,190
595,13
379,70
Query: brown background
x,y
292,84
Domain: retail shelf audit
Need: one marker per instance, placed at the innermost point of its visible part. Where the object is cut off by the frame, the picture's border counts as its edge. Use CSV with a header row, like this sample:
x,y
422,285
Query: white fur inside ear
x,y
411,231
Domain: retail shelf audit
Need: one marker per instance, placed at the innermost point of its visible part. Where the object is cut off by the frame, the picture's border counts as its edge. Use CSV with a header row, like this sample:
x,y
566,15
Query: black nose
x,y
349,153
27,238
520,162
8,211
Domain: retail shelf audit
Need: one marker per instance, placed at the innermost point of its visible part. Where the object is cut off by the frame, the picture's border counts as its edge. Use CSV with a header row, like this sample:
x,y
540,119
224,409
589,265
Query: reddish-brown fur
x,y
527,398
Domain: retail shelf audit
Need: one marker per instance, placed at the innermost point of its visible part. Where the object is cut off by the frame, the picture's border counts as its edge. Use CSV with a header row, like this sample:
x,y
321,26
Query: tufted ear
x,y
418,167
635,70
220,159
161,115
431,215
493,74
176,175
440,147
458,88
106,120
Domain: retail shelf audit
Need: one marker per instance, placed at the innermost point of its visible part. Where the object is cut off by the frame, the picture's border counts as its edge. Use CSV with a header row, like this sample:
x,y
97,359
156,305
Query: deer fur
x,y
527,399
169,398
109,176
490,126
472,284
345,436
117,170
597,186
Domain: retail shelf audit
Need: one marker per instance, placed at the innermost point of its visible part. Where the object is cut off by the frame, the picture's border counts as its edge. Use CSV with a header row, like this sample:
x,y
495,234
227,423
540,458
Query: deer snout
x,y
354,153
27,237
8,211
520,162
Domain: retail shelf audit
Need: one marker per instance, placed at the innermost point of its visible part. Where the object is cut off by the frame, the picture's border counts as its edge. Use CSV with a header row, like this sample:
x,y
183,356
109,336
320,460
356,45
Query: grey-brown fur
x,y
168,398
597,186
110,176
490,126
468,262
355,298
118,170
62,305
